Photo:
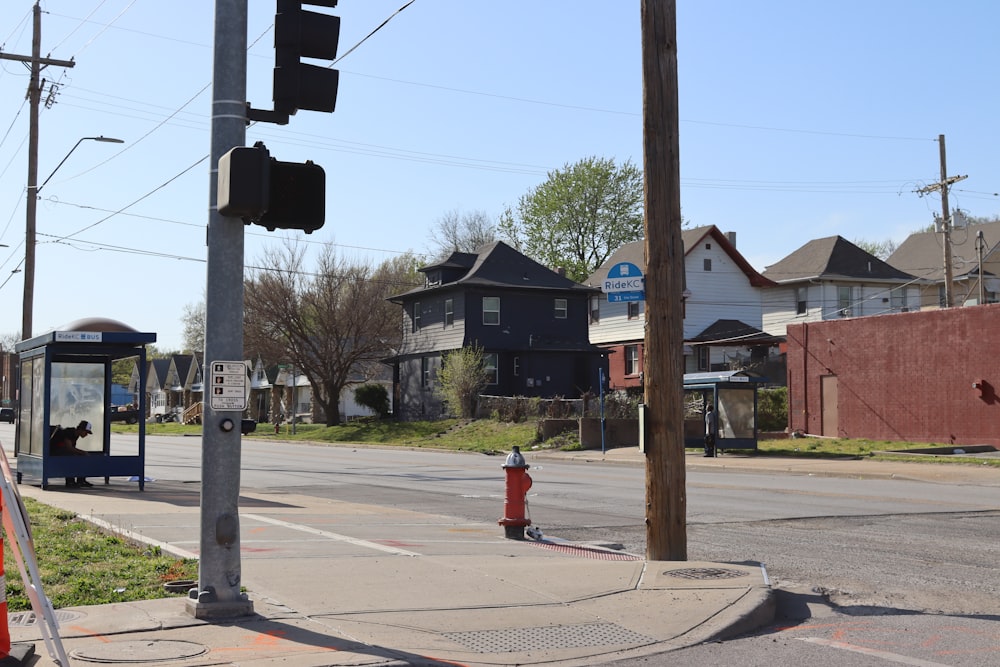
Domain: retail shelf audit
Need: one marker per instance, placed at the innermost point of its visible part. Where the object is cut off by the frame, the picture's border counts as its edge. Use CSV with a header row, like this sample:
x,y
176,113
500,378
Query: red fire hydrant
x,y
515,503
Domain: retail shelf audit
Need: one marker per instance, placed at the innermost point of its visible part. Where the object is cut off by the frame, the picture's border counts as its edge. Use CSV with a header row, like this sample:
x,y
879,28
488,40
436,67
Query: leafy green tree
x,y
375,397
579,216
461,378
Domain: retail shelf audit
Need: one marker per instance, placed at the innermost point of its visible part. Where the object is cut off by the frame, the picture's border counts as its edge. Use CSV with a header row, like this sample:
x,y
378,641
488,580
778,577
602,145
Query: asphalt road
x,y
868,571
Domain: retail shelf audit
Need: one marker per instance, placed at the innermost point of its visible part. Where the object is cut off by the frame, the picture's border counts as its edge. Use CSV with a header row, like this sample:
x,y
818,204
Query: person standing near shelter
x,y
63,443
711,428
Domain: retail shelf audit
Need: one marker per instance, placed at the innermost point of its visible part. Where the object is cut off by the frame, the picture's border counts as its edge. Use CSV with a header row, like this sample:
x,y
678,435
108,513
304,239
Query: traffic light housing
x,y
303,34
297,194
261,190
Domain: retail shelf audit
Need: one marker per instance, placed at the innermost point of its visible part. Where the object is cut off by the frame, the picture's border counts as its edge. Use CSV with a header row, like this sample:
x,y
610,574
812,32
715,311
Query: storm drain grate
x,y
562,636
587,552
703,573
25,619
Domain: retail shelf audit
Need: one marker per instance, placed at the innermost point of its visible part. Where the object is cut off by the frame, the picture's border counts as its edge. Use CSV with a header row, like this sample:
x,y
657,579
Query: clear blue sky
x,y
799,120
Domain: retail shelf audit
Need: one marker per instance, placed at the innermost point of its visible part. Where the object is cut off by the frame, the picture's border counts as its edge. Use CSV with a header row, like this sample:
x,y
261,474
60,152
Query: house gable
x,y
833,278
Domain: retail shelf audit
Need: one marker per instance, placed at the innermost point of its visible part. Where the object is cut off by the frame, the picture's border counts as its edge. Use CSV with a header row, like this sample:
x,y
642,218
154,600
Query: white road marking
x,y
333,536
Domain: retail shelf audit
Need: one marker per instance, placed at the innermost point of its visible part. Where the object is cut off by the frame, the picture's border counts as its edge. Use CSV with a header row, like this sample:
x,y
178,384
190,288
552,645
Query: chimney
x,y
561,270
731,237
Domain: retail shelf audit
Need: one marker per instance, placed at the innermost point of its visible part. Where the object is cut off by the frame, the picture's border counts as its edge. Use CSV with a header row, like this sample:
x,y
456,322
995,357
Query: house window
x,y
491,310
425,372
703,358
631,360
708,264
449,312
517,366
416,316
490,366
845,304
800,300
633,310
897,298
595,309
561,309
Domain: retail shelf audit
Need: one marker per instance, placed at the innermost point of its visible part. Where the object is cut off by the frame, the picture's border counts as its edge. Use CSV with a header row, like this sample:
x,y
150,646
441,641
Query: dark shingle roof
x,y
734,332
922,254
832,258
498,265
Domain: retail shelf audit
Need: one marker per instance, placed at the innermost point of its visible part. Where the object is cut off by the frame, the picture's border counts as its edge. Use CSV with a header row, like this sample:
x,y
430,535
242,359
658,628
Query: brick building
x,y
929,376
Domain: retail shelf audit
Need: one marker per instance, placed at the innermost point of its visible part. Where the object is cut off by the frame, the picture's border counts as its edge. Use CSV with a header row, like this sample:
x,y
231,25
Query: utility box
x,y
65,379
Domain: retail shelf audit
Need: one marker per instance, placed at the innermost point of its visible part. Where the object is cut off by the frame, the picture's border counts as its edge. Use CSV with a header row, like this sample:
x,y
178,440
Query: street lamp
x,y
29,230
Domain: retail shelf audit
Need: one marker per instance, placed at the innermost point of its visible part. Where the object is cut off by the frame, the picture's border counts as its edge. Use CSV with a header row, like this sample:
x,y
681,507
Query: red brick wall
x,y
616,367
901,377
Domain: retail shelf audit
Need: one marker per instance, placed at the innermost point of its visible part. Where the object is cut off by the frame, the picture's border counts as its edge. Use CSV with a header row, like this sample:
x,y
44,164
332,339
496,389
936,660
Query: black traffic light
x,y
244,182
297,196
277,195
302,34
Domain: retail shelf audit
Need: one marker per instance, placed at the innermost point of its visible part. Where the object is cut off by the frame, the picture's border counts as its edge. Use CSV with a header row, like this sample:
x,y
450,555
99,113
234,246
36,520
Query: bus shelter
x,y
733,397
66,378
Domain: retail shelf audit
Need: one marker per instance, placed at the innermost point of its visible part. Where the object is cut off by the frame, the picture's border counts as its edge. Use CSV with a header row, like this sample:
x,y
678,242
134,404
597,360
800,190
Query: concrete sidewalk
x,y
337,583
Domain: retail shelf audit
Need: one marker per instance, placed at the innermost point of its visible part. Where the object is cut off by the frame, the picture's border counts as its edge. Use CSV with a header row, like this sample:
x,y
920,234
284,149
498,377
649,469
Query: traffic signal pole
x,y
219,571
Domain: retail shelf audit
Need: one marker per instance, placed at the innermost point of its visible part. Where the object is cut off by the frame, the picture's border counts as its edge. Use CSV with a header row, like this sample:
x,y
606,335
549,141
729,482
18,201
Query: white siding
x,y
823,303
724,293
614,325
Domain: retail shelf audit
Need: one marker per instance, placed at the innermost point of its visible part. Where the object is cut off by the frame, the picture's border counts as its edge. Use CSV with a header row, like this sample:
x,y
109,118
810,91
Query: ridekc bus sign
x,y
625,282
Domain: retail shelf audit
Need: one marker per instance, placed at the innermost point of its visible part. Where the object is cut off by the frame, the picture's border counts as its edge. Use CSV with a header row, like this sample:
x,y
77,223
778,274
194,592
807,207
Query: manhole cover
x,y
561,636
703,573
25,619
146,650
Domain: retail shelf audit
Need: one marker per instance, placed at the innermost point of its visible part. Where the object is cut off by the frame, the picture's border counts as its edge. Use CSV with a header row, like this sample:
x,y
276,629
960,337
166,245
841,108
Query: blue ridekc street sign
x,y
625,282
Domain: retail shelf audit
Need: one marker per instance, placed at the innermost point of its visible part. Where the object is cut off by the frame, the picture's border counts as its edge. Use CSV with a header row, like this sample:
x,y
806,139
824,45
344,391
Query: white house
x,y
831,278
722,309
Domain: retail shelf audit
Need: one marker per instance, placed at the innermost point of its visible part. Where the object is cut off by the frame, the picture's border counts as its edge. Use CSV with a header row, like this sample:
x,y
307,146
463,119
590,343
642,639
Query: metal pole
x,y
219,574
600,380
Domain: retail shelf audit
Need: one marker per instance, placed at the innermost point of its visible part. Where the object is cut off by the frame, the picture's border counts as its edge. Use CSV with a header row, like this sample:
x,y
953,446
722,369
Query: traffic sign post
x,y
229,385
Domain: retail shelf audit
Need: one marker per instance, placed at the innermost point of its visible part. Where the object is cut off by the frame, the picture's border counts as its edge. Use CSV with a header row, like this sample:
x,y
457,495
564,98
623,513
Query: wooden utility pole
x,y
34,97
942,185
666,495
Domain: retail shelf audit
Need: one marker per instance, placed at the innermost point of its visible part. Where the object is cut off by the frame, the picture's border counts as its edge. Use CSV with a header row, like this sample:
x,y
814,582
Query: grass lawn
x,y
80,564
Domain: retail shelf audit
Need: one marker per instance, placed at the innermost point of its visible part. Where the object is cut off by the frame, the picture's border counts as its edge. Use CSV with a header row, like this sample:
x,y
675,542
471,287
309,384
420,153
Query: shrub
x,y
375,397
772,409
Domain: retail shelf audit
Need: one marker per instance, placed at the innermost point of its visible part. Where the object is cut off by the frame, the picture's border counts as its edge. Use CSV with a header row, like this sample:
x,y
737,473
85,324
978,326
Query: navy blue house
x,y
531,321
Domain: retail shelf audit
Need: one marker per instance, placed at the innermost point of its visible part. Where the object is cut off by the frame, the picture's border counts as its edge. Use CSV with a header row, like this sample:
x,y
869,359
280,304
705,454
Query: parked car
x,y
7,415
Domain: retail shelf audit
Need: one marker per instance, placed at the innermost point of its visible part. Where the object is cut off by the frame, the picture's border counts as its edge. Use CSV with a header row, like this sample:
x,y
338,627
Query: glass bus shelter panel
x,y
736,413
77,395
695,401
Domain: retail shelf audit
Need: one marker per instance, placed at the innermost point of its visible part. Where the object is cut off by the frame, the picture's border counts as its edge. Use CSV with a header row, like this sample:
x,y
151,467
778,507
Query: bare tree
x,y
334,323
462,232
